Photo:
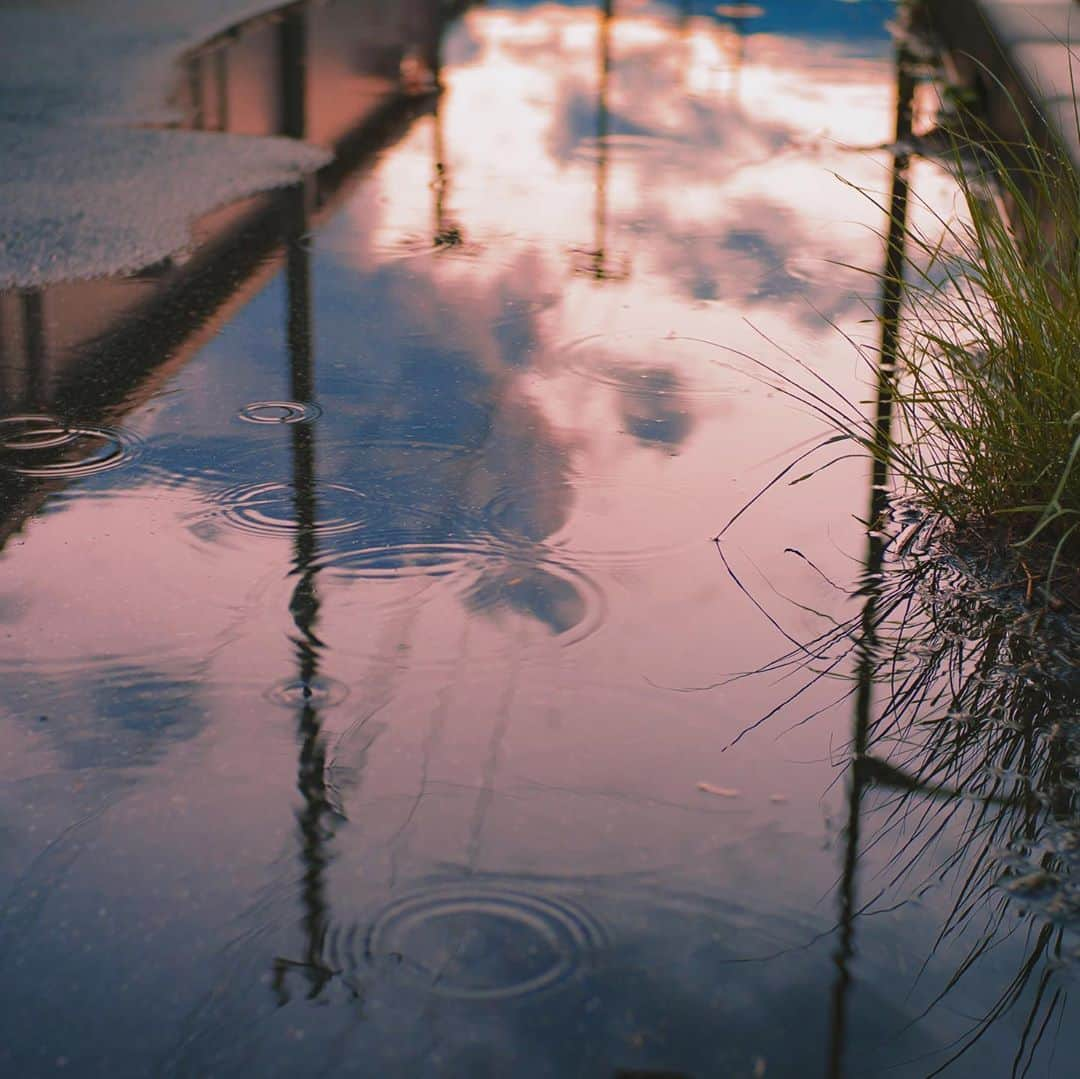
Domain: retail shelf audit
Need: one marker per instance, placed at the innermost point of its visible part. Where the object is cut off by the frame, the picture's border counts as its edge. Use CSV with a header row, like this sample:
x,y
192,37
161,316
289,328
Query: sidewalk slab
x,y
1017,55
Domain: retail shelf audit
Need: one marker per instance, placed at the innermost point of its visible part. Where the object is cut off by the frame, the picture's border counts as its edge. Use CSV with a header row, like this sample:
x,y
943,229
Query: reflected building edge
x,y
93,351
288,73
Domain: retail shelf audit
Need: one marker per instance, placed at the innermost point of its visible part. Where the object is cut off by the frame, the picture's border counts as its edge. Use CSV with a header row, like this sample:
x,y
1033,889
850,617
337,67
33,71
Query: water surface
x,y
364,681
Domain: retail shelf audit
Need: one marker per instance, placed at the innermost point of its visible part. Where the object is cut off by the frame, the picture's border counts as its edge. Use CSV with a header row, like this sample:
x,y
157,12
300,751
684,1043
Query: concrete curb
x,y
1016,55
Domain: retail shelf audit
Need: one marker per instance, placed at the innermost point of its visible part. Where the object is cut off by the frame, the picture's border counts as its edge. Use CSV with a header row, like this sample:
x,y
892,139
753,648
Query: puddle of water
x,y
380,711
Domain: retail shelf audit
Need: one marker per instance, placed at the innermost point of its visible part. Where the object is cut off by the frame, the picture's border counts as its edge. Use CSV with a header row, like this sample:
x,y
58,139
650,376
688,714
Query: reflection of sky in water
x,y
519,464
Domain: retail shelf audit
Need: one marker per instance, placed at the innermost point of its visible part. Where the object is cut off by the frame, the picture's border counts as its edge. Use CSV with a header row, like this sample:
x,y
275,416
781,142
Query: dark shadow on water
x,y
964,778
654,407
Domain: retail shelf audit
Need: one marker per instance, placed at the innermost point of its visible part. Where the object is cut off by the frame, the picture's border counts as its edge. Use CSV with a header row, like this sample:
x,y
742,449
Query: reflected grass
x,y
963,779
975,758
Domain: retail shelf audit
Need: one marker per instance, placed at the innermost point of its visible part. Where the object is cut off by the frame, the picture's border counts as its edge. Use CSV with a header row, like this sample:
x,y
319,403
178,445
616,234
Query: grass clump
x,y
977,414
987,384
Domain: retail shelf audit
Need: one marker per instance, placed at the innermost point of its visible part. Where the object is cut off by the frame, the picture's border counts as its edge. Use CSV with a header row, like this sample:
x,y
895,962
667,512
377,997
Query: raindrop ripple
x,y
474,941
569,602
44,446
624,524
317,692
646,365
390,558
278,412
274,509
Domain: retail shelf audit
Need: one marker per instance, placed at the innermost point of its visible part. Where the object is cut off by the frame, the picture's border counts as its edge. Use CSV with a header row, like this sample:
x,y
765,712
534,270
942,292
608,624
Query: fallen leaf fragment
x,y
720,792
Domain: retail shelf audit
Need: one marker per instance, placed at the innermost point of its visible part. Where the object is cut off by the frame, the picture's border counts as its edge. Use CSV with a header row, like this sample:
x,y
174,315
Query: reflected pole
x,y
597,264
738,23
195,93
602,128
858,779
737,20
221,87
447,233
315,815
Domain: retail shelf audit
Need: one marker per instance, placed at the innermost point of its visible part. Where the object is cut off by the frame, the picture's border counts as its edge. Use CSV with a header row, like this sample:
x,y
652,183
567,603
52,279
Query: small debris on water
x,y
778,799
720,792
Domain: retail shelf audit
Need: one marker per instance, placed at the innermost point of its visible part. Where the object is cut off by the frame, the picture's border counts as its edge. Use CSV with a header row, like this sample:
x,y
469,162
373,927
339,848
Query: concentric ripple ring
x,y
482,942
317,692
609,525
41,445
271,509
278,412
